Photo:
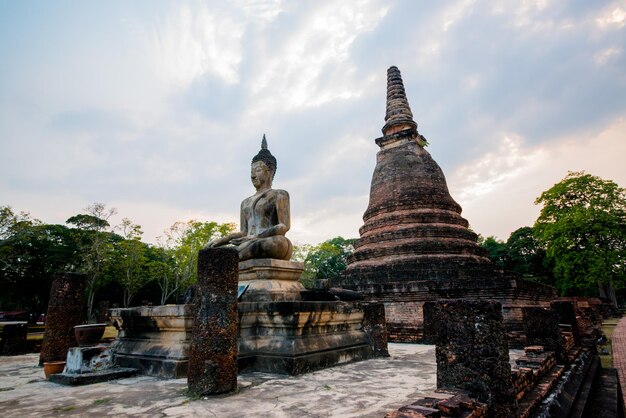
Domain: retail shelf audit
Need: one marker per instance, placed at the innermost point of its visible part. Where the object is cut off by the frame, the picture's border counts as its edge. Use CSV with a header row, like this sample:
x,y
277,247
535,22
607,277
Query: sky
x,y
156,108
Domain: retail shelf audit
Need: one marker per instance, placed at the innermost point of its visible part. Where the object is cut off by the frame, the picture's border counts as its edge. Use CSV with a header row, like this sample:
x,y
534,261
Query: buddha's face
x,y
260,175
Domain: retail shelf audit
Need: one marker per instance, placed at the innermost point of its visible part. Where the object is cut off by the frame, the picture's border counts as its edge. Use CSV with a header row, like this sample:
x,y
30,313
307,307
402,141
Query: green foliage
x,y
179,268
31,253
583,227
324,261
527,256
521,253
130,260
96,244
497,250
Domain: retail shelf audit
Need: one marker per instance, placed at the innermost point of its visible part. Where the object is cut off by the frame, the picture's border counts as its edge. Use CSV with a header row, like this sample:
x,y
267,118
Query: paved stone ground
x,y
619,352
364,389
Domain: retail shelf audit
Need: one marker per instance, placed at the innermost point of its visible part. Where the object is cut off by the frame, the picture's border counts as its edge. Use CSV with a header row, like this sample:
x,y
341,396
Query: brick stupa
x,y
414,245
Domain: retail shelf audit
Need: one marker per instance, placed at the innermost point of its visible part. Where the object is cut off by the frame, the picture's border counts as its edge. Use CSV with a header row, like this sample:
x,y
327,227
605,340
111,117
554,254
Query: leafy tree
x,y
183,240
326,260
583,227
131,260
527,256
95,242
31,253
497,250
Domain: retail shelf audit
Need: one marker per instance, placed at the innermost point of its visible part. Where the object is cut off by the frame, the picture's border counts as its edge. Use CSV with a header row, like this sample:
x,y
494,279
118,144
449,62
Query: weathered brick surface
x,y
375,327
472,352
65,310
213,350
541,327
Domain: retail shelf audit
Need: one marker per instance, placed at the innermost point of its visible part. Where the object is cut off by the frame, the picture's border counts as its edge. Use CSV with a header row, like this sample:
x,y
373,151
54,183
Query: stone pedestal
x,y
298,337
269,279
289,337
65,310
153,339
213,350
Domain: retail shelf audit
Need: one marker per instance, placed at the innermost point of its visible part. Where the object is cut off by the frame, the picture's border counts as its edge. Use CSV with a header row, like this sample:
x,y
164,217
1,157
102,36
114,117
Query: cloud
x,y
497,191
157,109
197,42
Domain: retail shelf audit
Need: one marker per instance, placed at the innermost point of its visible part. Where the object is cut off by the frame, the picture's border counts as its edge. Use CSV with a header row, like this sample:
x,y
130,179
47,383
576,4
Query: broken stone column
x,y
375,327
213,349
541,327
65,310
473,352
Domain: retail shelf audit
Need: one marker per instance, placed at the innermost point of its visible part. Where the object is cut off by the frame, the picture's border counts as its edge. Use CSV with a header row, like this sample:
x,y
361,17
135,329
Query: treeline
x,y
578,242
117,264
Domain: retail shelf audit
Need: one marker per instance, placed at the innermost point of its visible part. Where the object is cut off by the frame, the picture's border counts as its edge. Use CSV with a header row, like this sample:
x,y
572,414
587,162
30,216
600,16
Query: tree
x,y
583,227
96,246
183,240
527,256
31,253
497,250
326,260
131,260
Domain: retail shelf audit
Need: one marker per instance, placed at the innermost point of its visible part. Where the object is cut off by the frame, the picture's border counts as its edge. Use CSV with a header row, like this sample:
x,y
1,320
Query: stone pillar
x,y
473,352
65,310
541,327
375,326
566,314
14,335
213,349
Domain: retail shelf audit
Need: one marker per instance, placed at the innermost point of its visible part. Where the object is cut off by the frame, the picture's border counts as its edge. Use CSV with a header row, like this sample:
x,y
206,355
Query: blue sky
x,y
156,108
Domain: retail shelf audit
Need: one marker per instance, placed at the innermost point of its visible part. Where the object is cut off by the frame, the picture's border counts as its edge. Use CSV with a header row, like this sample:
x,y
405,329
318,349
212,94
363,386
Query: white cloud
x,y
607,54
291,77
612,17
456,12
497,192
197,42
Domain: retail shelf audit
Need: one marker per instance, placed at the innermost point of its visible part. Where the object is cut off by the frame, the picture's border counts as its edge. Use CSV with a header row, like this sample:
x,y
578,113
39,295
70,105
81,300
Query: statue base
x,y
286,337
270,280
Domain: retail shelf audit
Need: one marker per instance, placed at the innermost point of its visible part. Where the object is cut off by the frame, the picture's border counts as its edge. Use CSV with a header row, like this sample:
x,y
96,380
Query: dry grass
x,y
608,325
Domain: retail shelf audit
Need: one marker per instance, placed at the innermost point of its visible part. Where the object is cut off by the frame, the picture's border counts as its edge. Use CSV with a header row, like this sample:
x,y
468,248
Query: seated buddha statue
x,y
264,216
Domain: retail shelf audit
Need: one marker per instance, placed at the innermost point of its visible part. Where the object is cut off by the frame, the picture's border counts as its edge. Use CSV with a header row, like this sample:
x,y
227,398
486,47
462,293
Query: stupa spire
x,y
398,116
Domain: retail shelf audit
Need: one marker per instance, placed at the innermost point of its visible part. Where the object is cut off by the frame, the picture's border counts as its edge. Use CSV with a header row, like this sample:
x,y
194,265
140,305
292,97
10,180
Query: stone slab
x,y
69,379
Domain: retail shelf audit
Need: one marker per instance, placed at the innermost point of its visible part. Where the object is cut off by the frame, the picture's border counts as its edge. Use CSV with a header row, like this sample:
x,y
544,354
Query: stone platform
x,y
290,337
404,301
154,339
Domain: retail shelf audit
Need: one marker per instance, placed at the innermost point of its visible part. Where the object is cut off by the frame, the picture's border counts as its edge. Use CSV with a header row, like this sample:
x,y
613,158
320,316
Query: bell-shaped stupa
x,y
414,245
413,229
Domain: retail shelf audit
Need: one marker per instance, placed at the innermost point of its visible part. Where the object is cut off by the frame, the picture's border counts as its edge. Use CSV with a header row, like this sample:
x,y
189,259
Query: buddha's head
x,y
263,167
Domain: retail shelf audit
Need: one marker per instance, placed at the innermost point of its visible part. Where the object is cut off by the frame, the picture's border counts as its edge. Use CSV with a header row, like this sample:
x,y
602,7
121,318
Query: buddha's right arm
x,y
224,240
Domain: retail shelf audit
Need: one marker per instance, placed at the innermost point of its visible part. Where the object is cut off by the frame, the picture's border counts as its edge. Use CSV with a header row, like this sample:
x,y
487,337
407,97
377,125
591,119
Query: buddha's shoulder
x,y
280,192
